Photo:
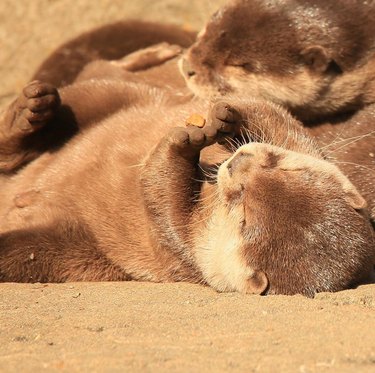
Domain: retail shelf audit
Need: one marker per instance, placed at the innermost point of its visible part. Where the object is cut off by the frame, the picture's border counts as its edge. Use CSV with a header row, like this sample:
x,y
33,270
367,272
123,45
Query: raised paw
x,y
225,119
191,140
149,57
35,107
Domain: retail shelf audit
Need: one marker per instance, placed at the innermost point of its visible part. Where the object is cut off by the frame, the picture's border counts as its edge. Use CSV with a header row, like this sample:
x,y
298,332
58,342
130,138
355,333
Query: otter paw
x,y
225,119
36,106
149,57
192,140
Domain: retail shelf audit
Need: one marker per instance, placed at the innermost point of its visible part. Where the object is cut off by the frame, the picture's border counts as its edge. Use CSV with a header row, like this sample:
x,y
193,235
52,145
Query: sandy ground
x,y
133,327
31,29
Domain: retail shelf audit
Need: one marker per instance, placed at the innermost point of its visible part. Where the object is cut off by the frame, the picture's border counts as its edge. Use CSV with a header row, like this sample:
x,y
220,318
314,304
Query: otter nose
x,y
186,68
238,161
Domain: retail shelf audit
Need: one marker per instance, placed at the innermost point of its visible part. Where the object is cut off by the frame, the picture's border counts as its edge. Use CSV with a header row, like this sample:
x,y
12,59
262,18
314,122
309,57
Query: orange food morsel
x,y
196,120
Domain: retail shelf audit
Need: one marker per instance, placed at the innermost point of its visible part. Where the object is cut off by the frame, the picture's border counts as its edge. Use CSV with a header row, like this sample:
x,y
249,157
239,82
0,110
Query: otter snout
x,y
242,161
239,162
186,68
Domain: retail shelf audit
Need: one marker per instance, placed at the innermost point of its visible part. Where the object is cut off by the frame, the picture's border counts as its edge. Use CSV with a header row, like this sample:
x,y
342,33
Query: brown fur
x,y
109,205
350,144
59,226
28,131
320,53
108,42
314,57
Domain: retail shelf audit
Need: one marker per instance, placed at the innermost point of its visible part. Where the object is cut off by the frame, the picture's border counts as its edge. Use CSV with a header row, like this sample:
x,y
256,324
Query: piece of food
x,y
196,120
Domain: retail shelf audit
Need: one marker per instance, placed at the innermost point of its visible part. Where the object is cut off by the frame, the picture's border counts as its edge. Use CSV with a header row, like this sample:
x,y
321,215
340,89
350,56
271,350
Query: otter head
x,y
310,57
285,223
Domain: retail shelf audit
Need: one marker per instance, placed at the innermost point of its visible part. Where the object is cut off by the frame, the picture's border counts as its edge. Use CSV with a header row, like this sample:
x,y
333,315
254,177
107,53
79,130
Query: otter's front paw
x,y
35,107
225,119
190,141
148,57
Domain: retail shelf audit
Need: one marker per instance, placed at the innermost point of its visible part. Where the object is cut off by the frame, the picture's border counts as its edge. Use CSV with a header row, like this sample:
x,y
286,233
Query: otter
x,y
348,138
24,134
314,57
248,203
109,42
350,145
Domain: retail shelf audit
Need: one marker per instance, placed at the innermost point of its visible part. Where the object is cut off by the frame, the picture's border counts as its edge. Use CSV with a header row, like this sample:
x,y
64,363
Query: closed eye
x,y
292,169
243,65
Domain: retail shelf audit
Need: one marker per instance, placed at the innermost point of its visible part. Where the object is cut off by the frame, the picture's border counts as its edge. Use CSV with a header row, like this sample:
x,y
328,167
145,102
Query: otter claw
x,y
37,105
225,119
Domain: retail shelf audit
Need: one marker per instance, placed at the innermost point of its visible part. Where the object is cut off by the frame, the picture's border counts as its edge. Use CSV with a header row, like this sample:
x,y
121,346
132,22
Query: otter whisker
x,y
357,165
287,137
245,132
351,140
348,138
209,173
258,136
334,141
203,200
207,207
232,144
136,165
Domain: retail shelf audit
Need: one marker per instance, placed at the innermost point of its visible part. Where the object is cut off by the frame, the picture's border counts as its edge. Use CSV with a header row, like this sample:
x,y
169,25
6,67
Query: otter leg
x,y
148,57
123,68
227,120
28,114
39,120
258,121
57,253
170,184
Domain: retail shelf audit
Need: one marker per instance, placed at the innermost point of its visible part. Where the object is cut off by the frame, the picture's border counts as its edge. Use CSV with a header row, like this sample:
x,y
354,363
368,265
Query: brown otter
x,y
24,134
350,144
130,198
314,57
348,141
108,42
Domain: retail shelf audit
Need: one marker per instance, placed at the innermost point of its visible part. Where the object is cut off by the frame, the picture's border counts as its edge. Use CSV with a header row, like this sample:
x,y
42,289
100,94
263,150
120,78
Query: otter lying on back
x,y
267,217
314,57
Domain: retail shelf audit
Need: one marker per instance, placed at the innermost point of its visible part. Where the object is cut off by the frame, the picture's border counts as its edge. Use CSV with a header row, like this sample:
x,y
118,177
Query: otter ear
x,y
353,197
257,283
316,57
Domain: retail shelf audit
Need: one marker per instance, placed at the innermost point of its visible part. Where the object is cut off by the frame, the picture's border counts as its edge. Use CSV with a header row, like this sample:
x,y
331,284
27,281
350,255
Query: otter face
x,y
285,223
280,51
